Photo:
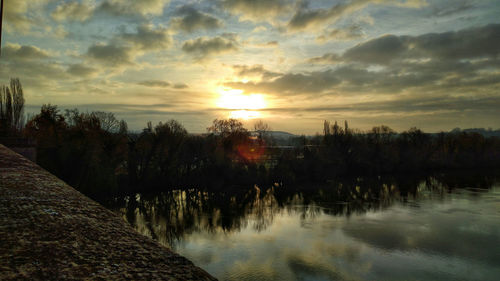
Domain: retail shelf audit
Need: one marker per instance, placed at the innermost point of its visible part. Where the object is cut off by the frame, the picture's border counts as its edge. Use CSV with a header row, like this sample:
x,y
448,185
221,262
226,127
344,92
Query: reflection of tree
x,y
172,215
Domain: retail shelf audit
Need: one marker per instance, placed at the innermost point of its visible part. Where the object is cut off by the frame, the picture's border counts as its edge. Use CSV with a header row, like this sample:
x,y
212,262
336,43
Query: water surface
x,y
428,228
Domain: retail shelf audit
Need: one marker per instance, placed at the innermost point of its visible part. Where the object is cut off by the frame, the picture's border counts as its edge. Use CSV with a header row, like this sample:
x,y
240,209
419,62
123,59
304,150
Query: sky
x,y
434,65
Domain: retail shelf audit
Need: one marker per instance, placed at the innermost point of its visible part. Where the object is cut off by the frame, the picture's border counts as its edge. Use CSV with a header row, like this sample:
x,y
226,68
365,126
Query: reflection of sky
x,y
457,238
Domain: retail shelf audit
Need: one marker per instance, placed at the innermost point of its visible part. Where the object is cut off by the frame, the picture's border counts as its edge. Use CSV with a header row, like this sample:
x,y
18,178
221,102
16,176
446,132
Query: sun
x,y
243,106
236,99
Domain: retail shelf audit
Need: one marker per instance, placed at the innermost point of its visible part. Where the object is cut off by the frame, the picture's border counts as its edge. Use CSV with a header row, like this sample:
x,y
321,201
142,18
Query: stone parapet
x,y
50,231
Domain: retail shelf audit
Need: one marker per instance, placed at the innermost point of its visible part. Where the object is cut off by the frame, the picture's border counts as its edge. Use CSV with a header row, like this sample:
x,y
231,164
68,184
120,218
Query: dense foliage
x,y
96,153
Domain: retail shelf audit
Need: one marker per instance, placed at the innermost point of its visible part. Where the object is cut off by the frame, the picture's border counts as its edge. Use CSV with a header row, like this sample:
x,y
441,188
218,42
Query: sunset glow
x,y
260,139
293,63
236,99
244,114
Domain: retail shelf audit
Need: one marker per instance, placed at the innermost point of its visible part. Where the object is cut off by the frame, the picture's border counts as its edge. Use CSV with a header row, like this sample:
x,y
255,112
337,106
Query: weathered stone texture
x,y
50,231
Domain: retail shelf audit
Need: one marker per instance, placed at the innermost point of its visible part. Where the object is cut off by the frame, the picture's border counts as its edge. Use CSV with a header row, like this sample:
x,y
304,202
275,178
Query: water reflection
x,y
440,227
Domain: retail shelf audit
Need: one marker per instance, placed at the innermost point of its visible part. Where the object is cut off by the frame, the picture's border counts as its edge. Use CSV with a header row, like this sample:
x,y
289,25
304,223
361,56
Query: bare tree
x,y
17,104
226,127
11,108
107,121
261,128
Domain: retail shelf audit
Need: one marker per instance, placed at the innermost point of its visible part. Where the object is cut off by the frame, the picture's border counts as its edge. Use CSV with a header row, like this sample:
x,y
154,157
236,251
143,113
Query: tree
x,y
262,129
11,108
226,127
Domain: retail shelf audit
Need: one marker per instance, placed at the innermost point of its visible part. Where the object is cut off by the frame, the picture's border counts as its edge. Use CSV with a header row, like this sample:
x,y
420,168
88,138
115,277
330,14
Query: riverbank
x,y
51,231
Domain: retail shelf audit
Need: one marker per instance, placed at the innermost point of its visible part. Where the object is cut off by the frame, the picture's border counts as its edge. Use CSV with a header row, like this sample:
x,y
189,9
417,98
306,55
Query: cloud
x,y
23,15
122,49
204,47
147,38
342,34
133,7
32,64
258,10
329,58
463,44
110,55
180,86
408,105
291,84
463,61
379,51
192,20
155,83
80,70
456,8
163,84
24,52
73,11
268,44
272,44
305,18
352,79
254,71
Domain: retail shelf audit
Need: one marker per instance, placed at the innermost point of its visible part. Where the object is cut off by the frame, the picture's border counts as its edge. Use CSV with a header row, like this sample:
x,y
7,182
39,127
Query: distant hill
x,y
485,132
281,135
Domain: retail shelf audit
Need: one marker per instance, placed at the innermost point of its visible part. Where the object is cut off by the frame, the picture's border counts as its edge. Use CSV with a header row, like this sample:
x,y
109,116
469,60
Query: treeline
x,y
96,153
342,151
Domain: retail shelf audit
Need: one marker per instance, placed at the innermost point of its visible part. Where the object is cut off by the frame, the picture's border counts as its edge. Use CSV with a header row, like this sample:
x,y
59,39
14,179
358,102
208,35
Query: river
x,y
440,227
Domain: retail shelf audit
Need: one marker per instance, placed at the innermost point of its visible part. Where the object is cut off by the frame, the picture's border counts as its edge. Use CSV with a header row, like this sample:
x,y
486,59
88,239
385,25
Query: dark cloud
x,y
81,70
342,34
307,18
155,83
191,20
163,84
272,44
292,84
428,77
408,105
110,55
380,51
147,38
32,66
464,44
204,47
72,11
462,61
180,86
479,42
258,10
329,58
25,52
254,70
304,17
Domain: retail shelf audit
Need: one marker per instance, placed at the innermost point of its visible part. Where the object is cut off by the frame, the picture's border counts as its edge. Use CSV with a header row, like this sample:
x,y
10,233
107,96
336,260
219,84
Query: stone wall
x,y
50,231
23,146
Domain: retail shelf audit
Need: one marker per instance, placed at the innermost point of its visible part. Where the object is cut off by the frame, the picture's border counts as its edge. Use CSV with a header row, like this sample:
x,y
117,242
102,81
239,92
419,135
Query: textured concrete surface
x,y
50,231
